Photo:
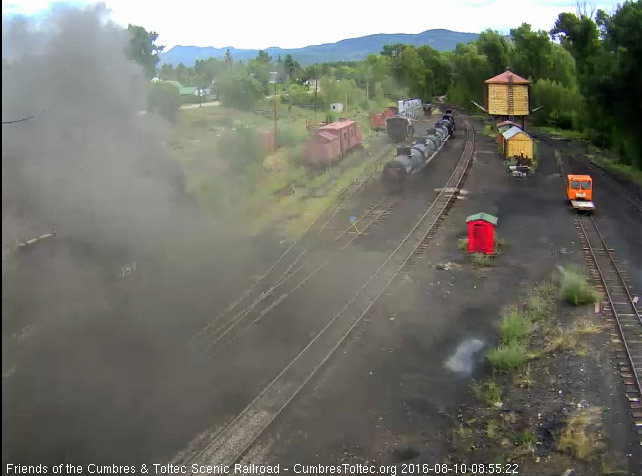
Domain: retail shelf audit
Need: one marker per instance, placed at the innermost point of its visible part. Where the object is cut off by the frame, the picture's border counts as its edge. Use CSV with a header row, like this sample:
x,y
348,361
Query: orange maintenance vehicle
x,y
579,191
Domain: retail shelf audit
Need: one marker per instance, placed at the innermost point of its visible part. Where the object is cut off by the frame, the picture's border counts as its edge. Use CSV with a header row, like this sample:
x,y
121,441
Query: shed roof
x,y
187,90
337,125
508,123
513,131
507,77
483,216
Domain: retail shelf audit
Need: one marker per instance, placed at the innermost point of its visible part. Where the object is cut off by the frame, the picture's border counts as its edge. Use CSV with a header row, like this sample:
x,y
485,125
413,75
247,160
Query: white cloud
x,y
291,24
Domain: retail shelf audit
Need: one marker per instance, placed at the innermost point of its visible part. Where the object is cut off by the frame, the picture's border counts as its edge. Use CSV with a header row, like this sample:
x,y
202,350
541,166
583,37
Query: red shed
x,y
481,233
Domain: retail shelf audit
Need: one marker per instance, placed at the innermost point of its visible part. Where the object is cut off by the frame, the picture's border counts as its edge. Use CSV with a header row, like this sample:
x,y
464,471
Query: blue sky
x,y
291,24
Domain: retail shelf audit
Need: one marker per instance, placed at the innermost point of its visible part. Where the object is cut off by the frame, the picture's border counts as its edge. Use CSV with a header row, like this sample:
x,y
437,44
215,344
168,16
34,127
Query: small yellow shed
x,y
516,143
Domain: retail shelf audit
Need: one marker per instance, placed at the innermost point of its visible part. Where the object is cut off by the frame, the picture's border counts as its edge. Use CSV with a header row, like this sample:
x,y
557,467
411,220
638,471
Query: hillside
x,y
352,49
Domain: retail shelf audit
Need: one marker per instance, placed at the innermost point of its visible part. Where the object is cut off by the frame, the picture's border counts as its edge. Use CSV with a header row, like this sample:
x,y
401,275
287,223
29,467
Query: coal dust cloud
x,y
97,316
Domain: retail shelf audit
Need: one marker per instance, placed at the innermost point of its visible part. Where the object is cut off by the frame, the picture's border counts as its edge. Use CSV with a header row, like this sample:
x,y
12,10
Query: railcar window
x,y
586,185
575,185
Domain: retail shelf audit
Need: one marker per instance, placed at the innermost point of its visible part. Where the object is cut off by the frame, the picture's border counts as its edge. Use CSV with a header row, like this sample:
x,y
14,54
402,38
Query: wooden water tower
x,y
507,96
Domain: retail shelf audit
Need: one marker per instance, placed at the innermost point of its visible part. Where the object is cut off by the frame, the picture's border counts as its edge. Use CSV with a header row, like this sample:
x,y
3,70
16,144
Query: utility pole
x,y
316,89
367,91
273,76
346,103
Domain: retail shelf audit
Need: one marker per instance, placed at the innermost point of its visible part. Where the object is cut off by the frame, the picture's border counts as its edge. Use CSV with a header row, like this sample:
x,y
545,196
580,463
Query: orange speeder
x,y
579,191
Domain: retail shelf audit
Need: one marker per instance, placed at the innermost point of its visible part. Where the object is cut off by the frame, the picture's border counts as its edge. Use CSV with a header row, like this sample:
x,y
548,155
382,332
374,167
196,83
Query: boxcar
x,y
332,141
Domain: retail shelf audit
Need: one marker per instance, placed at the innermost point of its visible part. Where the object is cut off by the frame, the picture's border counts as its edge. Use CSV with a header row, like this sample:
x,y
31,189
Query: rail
x,y
621,306
625,314
232,442
314,229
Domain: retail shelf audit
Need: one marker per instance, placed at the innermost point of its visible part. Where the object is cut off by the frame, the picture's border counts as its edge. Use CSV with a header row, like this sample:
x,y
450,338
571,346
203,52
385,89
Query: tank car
x,y
409,160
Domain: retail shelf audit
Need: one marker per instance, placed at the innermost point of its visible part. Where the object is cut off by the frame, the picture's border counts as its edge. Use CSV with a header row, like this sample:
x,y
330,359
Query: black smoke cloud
x,y
90,165
97,365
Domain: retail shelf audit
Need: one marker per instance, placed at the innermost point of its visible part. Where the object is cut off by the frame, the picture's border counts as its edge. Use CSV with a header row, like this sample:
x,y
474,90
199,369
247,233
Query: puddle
x,y
462,361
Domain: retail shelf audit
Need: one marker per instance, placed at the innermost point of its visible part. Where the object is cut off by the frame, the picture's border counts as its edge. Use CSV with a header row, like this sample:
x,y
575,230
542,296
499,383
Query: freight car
x,y
413,158
378,121
331,142
399,128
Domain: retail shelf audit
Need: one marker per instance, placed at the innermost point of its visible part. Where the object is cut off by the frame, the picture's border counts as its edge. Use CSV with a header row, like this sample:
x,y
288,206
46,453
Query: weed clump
x,y
480,259
507,357
514,328
579,436
488,392
575,288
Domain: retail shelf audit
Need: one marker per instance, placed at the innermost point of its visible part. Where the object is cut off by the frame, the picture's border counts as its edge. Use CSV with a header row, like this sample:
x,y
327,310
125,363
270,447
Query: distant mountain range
x,y
353,49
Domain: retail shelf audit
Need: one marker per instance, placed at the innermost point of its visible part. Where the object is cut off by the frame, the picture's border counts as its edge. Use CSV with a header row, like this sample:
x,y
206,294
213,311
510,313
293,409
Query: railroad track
x,y
259,289
223,335
216,338
233,441
619,308
634,201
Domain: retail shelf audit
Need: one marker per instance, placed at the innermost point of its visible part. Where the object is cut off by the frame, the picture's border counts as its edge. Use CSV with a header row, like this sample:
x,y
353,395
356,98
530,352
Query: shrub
x,y
575,288
163,99
507,357
290,135
239,90
514,328
241,148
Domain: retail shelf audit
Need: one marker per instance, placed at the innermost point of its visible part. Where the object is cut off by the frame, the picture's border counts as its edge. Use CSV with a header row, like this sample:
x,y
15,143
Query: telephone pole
x,y
273,77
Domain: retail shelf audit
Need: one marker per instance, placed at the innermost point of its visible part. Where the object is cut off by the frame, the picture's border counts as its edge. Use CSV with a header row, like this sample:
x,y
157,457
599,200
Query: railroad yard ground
x,y
399,388
400,391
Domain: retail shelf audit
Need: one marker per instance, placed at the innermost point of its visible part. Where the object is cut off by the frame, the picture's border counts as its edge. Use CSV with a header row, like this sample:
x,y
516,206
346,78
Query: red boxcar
x,y
378,121
332,141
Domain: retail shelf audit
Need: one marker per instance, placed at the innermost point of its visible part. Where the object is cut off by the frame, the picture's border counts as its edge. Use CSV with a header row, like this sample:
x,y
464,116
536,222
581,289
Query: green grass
x,y
539,304
488,392
462,243
514,328
526,439
575,288
507,357
489,131
480,260
628,171
562,133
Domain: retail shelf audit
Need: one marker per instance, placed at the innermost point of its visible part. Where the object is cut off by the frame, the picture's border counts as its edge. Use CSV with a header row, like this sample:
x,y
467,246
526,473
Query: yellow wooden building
x,y
507,96
516,142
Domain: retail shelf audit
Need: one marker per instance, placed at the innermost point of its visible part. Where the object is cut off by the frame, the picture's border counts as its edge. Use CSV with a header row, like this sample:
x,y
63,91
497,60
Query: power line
x,y
23,119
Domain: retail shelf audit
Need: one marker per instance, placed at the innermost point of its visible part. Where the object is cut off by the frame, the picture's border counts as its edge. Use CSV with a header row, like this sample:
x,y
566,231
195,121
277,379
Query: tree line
x,y
586,72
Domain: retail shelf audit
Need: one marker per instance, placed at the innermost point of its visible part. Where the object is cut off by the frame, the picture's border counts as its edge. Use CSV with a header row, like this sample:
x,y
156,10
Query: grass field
x,y
255,188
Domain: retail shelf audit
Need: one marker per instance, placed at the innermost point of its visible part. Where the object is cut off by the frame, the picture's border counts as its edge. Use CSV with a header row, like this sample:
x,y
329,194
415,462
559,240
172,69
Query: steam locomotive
x,y
412,158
